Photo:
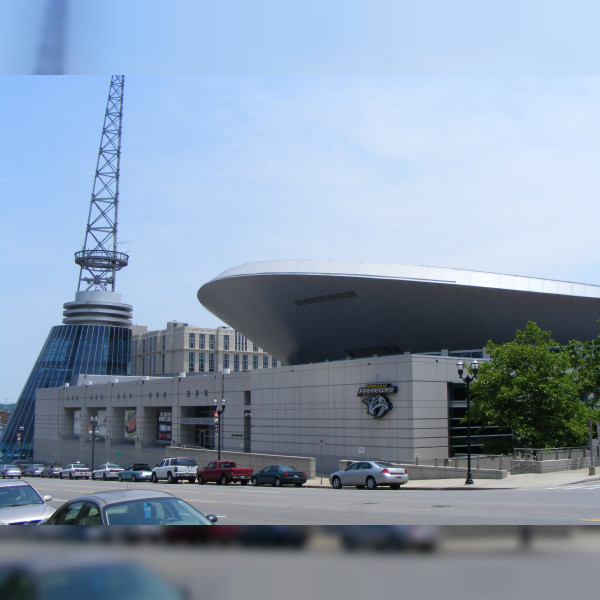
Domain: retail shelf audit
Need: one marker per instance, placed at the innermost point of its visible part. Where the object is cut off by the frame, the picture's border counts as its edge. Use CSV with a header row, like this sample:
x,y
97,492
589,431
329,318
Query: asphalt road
x,y
265,505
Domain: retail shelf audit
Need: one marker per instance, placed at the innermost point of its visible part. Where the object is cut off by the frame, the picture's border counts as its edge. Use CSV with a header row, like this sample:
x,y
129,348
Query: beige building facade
x,y
394,408
181,348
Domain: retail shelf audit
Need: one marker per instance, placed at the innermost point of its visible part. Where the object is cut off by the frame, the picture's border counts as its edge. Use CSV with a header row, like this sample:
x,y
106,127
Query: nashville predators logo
x,y
378,406
377,403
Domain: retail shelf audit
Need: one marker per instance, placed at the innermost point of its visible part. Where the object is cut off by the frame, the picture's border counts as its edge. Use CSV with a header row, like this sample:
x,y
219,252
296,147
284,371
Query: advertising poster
x,y
130,424
163,425
102,423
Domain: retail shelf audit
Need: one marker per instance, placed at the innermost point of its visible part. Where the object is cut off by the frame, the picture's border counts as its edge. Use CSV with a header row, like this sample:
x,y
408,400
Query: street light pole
x,y
93,426
218,413
468,379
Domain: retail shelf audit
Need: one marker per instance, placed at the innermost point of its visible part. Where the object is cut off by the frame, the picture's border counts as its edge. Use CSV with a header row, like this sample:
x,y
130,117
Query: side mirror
x,y
212,518
47,498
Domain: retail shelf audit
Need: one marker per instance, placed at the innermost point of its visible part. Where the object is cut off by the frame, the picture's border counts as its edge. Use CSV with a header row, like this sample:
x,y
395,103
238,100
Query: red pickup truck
x,y
224,472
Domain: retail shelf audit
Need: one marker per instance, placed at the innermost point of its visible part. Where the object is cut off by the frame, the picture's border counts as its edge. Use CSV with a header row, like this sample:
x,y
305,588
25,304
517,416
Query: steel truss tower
x,y
99,259
95,338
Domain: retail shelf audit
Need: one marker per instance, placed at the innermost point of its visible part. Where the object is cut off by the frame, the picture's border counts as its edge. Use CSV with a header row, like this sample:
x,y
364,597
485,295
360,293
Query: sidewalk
x,y
526,481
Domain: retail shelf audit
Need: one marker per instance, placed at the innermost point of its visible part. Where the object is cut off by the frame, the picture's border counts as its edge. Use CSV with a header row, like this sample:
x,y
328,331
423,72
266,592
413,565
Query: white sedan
x,y
74,470
369,474
107,471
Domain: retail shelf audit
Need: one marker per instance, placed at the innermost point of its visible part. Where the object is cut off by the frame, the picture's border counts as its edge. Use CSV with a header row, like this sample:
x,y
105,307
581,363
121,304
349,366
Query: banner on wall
x,y
164,425
130,424
102,423
77,422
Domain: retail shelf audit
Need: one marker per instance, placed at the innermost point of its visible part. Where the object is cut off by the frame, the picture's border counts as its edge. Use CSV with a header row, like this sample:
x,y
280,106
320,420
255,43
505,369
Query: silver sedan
x,y
369,474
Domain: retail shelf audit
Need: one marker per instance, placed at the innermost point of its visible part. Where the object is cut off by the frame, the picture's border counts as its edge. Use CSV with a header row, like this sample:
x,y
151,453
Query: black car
x,y
279,475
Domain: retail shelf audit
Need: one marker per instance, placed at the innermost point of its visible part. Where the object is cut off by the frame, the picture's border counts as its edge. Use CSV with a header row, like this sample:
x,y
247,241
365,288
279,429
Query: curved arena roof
x,y
303,311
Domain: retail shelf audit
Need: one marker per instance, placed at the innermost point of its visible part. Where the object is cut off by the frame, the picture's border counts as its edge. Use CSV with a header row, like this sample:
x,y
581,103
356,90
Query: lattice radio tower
x,y
99,260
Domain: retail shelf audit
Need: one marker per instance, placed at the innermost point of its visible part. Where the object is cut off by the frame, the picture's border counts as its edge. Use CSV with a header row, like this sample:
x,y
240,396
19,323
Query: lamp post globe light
x,y
93,429
218,414
468,379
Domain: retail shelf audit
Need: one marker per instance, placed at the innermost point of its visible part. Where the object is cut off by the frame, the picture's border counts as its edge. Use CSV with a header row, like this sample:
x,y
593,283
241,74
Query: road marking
x,y
591,520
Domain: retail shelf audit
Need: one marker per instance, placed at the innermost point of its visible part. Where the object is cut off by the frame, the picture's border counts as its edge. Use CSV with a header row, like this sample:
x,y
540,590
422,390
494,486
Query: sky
x,y
459,134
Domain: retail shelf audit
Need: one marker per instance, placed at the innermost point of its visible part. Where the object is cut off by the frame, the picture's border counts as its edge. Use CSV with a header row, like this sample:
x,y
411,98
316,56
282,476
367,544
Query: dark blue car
x,y
279,475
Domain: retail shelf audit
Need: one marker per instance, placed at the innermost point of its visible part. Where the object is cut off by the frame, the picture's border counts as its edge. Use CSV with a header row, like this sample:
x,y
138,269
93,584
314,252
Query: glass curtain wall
x,y
70,350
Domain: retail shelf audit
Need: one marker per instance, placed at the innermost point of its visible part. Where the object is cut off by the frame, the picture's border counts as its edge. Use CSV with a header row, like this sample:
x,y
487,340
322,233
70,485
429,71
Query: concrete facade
x,y
305,411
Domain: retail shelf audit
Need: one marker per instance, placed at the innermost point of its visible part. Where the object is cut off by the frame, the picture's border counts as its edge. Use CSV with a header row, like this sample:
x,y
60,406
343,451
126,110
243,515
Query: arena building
x,y
369,354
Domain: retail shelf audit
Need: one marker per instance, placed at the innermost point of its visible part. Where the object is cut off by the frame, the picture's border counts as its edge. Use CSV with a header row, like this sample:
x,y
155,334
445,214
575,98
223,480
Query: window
x,y
163,362
144,346
211,341
226,342
202,344
273,362
192,341
164,342
254,347
236,362
255,362
191,362
201,365
211,362
245,362
226,361
265,362
241,343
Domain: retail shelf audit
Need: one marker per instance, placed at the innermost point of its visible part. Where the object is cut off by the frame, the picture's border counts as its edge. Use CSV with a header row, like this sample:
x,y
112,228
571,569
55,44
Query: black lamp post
x,y
218,412
467,379
93,430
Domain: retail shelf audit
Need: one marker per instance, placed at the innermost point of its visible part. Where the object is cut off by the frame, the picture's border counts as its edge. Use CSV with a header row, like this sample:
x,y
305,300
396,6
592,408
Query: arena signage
x,y
377,403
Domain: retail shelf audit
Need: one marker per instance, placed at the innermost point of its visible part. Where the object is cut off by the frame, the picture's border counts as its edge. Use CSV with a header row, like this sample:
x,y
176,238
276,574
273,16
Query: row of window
x,y
197,362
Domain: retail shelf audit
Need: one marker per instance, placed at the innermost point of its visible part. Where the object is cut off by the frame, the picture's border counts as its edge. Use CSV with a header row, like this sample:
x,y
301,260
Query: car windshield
x,y
154,511
186,462
112,466
286,468
384,465
19,495
141,468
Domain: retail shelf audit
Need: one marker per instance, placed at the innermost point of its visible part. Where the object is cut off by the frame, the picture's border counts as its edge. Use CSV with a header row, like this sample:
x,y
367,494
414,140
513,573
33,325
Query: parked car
x,y
224,472
136,472
129,507
89,574
51,471
369,474
21,504
278,475
107,471
10,471
34,470
175,469
75,470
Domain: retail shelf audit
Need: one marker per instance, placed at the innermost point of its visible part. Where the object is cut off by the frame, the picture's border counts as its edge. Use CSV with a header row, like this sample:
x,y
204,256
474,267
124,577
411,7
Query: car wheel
x,y
119,477
70,475
336,483
60,475
170,478
224,480
93,476
133,477
371,483
154,478
254,481
277,482
104,476
200,480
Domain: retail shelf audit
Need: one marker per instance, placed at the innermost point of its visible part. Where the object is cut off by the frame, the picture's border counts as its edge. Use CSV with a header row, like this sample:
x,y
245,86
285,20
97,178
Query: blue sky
x,y
397,132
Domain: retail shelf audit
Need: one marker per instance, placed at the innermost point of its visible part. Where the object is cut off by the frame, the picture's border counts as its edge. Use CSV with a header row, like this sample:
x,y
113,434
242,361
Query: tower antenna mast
x,y
99,260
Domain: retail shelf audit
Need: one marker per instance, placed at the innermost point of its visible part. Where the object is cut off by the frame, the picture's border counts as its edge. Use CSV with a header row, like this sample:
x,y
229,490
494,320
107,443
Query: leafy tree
x,y
585,362
527,387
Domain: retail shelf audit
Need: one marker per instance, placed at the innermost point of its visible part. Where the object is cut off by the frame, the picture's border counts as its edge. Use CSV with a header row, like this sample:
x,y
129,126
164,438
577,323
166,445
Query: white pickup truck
x,y
175,469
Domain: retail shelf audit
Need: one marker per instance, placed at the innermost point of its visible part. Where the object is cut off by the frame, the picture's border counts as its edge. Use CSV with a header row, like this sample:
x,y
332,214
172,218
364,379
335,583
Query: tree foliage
x,y
528,387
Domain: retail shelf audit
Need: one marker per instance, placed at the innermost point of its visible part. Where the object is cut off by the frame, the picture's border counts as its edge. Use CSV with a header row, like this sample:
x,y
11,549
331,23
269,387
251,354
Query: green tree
x,y
585,362
527,387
